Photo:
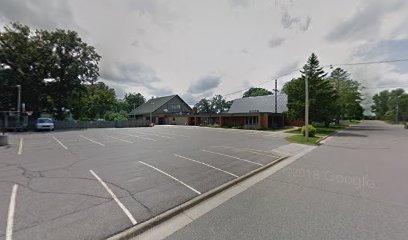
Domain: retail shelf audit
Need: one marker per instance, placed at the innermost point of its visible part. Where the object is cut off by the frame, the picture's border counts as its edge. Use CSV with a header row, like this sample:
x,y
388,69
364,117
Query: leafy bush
x,y
312,131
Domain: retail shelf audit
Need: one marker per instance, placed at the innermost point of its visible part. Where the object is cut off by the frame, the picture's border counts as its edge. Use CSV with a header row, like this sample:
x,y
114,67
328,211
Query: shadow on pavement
x,y
347,134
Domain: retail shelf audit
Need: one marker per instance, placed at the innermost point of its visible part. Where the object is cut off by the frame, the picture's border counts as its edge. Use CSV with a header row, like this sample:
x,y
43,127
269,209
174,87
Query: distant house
x,y
251,112
163,110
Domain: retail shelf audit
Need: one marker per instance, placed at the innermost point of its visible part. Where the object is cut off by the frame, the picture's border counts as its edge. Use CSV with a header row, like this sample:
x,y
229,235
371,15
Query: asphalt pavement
x,y
354,186
94,183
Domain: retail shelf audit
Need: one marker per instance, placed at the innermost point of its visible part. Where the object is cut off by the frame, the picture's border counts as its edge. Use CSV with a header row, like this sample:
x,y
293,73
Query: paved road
x,y
355,186
137,173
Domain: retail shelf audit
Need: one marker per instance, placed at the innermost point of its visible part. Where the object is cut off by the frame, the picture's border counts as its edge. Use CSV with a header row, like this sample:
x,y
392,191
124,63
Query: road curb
x,y
138,229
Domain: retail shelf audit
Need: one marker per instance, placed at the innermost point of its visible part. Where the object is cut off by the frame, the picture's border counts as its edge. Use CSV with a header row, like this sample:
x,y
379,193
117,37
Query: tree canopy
x,y
254,92
331,97
58,74
391,105
217,104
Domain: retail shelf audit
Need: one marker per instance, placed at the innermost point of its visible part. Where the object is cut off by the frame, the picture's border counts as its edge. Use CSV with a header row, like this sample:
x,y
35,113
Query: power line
x,y
325,66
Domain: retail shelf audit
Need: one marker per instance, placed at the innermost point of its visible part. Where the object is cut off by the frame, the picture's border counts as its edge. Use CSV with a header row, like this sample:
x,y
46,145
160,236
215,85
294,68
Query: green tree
x,y
94,102
391,105
322,95
24,63
380,106
71,62
203,106
253,92
133,100
348,95
219,104
28,57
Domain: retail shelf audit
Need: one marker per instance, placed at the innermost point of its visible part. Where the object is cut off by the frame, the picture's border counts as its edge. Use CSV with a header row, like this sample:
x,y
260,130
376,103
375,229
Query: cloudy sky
x,y
200,48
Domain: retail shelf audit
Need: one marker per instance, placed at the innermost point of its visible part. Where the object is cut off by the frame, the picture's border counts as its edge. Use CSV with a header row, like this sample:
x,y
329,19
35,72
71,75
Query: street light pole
x,y
306,108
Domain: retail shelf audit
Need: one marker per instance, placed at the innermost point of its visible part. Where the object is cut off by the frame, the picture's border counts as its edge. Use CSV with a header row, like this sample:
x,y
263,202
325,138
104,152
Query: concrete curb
x,y
140,228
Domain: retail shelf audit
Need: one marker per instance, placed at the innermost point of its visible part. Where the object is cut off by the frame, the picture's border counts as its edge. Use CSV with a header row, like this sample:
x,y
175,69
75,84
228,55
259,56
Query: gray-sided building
x,y
162,111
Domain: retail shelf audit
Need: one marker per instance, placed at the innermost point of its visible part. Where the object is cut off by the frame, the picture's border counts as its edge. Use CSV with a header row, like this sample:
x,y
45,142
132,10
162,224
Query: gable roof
x,y
259,104
151,105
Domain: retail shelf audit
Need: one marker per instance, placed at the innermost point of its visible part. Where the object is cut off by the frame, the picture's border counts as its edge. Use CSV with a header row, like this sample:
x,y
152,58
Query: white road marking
x,y
119,139
168,175
11,210
136,136
127,212
254,151
175,134
20,147
208,165
262,154
221,154
58,141
152,134
103,145
245,149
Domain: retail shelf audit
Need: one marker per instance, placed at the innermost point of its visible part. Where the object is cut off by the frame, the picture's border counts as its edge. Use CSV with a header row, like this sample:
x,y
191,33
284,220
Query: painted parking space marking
x,y
101,144
137,136
208,165
119,139
20,147
175,134
60,143
170,176
254,151
157,135
125,210
226,155
11,210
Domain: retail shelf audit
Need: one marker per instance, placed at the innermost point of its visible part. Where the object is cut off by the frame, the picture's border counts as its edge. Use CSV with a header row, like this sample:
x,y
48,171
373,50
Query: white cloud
x,y
160,47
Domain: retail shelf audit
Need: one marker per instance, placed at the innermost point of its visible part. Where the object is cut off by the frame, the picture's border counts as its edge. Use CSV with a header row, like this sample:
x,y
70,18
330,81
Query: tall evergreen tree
x,y
322,95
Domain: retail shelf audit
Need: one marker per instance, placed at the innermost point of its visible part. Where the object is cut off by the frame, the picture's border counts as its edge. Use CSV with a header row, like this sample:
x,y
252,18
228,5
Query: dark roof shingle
x,y
151,105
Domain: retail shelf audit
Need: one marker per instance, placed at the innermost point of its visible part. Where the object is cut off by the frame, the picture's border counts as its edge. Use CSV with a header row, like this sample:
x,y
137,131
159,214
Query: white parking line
x,y
58,141
157,135
127,212
254,151
168,175
119,139
103,145
11,210
221,154
20,147
136,136
175,134
208,165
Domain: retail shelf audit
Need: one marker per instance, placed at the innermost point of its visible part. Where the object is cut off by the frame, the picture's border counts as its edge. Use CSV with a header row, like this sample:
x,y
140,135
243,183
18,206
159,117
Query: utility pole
x,y
18,105
396,116
306,107
276,95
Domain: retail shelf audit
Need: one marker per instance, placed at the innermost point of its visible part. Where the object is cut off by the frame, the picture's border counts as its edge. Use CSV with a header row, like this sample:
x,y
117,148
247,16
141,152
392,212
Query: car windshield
x,y
44,120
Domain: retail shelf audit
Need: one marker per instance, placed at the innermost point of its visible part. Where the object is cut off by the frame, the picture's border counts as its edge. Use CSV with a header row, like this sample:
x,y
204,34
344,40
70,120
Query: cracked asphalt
x,y
58,197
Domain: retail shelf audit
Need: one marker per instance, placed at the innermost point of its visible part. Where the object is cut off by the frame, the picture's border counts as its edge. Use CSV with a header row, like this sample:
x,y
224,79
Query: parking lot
x,y
91,184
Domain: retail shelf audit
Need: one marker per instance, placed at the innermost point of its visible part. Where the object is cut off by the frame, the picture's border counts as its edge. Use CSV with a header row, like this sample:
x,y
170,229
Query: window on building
x,y
253,120
175,107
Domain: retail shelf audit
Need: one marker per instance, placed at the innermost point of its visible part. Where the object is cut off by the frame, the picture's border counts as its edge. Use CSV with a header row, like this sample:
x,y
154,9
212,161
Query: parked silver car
x,y
44,124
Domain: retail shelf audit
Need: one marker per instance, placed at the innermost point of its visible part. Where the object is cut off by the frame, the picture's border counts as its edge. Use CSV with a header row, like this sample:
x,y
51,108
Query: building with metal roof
x,y
264,104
